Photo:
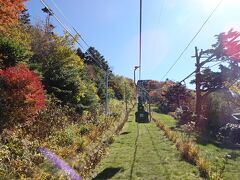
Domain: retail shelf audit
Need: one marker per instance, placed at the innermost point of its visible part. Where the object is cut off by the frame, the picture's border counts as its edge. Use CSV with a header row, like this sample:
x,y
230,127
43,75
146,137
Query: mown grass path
x,y
141,151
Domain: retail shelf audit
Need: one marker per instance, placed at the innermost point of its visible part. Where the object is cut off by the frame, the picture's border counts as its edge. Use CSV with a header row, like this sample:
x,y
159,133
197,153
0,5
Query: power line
x,y
191,74
81,37
184,50
88,52
161,9
65,17
63,26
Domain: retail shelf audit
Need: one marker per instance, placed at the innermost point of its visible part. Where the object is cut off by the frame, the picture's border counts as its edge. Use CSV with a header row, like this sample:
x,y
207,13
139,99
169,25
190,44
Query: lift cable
x,y
67,19
58,20
65,27
184,50
140,41
191,74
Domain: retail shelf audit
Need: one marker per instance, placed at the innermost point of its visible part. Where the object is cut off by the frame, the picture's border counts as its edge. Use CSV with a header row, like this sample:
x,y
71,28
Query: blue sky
x,y
112,27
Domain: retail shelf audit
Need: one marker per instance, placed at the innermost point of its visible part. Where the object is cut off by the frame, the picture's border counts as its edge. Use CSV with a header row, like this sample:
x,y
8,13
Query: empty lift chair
x,y
141,116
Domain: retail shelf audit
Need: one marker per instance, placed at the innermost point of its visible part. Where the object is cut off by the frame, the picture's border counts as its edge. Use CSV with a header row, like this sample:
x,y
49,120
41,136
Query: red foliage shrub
x,y
21,94
231,45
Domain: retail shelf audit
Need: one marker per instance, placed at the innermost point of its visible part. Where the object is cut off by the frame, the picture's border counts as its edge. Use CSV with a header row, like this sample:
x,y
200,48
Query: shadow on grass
x,y
135,153
207,140
234,155
108,173
124,133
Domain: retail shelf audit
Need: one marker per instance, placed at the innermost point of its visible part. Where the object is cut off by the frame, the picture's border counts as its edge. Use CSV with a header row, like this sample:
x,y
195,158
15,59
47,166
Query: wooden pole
x,y
198,106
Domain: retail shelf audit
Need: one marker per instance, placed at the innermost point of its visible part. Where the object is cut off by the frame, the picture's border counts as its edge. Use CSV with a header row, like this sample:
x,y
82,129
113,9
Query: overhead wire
x,y
140,41
65,27
67,19
184,50
191,74
60,22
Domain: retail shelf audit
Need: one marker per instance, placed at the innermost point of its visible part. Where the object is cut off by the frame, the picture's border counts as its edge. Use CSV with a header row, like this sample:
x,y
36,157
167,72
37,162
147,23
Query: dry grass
x,y
189,151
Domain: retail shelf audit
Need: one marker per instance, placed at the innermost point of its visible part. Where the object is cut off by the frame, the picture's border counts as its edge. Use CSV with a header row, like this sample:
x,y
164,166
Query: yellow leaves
x,y
19,34
68,57
235,88
74,61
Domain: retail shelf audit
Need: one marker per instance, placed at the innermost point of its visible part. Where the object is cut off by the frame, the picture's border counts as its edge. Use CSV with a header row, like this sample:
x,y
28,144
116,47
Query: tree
x,y
162,103
48,26
90,100
97,68
41,44
93,56
19,34
226,49
177,96
118,86
10,10
231,45
12,53
80,53
62,75
129,91
21,95
25,17
155,91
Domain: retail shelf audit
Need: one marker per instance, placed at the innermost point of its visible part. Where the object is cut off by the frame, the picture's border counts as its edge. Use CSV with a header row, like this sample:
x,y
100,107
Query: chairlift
x,y
143,116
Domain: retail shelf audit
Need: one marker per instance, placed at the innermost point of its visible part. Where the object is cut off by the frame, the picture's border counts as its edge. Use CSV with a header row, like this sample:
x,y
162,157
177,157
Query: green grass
x,y
141,151
216,155
212,151
169,121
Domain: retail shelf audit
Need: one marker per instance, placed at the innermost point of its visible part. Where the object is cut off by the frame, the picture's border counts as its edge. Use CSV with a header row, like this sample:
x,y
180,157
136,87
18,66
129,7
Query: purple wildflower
x,y
60,163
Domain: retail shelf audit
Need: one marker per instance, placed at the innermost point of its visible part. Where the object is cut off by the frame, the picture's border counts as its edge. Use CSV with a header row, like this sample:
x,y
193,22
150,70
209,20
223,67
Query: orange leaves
x,y
9,11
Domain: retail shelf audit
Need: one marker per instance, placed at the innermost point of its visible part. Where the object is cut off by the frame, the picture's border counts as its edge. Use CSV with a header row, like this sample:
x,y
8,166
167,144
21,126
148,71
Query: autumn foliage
x,y
9,11
21,94
231,44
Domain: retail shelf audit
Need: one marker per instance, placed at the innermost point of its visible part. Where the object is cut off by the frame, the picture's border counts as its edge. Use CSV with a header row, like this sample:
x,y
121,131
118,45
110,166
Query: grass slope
x,y
142,152
214,153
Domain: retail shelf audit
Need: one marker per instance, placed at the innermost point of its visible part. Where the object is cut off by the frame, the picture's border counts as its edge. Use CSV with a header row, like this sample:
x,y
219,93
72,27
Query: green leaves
x,y
12,53
62,75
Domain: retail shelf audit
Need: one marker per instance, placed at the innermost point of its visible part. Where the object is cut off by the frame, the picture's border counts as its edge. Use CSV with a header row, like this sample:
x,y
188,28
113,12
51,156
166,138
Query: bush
x,y
52,118
18,154
12,52
230,133
219,110
21,95
163,107
184,116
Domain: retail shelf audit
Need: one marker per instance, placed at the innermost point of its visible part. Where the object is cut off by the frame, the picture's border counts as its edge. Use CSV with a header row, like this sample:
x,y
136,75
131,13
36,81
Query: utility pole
x,y
48,25
135,68
125,96
198,106
106,105
106,101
